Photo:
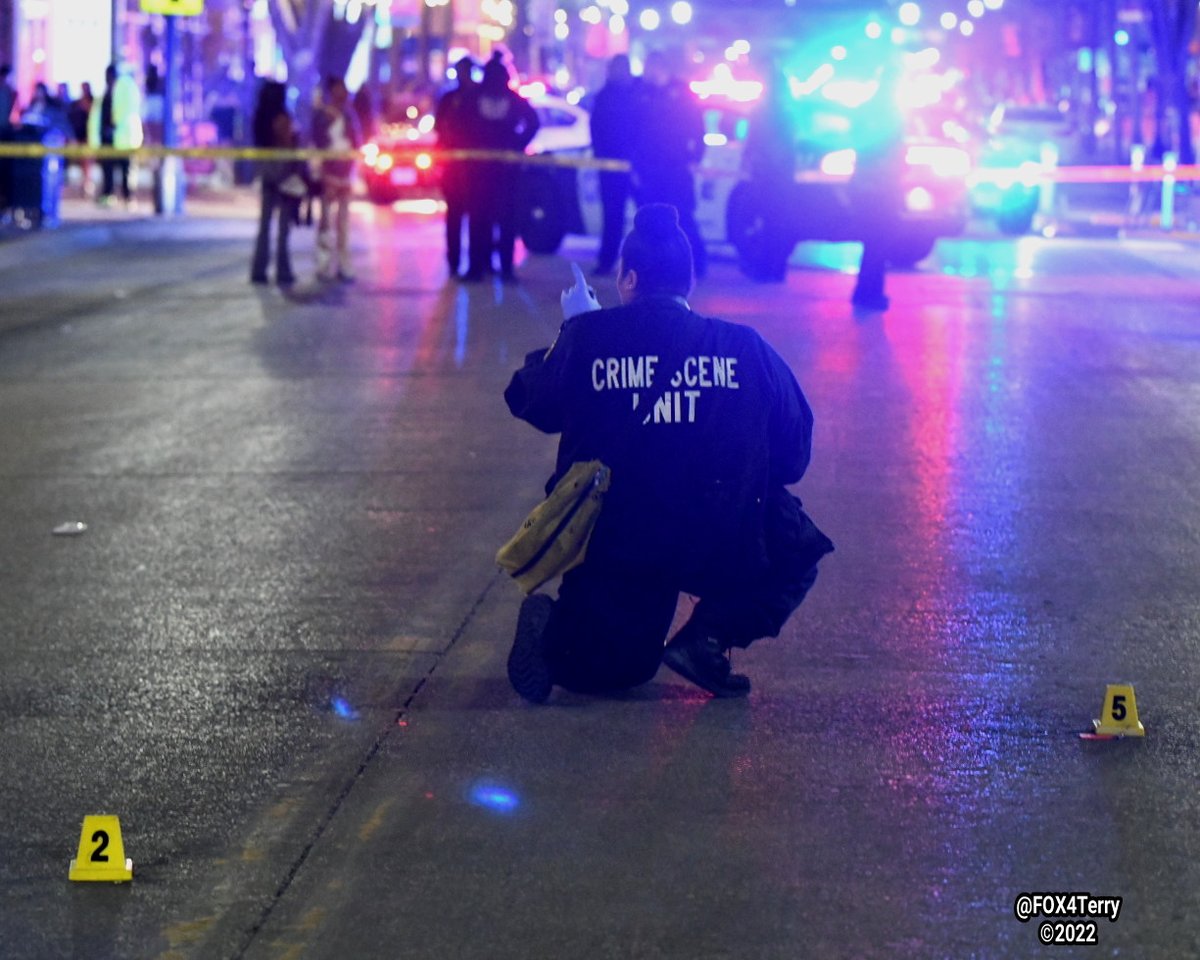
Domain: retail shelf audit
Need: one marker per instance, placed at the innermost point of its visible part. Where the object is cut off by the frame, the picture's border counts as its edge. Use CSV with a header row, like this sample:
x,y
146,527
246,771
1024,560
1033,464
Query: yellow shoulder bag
x,y
555,535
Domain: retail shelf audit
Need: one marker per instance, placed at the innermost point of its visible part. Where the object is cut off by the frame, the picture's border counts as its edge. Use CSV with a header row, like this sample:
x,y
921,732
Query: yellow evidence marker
x,y
101,853
1118,716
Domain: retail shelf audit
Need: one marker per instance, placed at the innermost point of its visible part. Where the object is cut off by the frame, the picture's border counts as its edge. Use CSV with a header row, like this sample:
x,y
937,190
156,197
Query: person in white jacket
x,y
116,121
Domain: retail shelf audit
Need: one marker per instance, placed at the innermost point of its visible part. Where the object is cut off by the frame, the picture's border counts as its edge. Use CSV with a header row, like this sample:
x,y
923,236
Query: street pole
x,y
243,170
169,183
117,25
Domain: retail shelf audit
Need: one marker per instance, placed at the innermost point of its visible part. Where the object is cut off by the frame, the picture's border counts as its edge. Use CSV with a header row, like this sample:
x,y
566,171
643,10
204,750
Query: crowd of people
x,y
114,119
650,122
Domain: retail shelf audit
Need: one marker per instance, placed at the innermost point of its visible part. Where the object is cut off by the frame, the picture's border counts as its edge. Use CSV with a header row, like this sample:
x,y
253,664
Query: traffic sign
x,y
173,8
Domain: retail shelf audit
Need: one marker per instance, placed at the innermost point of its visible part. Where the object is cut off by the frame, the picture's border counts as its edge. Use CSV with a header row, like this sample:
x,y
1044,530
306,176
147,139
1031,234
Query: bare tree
x,y
315,44
1173,25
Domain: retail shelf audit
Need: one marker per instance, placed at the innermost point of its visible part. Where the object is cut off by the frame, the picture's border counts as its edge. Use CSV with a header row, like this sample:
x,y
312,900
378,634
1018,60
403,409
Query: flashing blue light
x,y
1122,38
494,798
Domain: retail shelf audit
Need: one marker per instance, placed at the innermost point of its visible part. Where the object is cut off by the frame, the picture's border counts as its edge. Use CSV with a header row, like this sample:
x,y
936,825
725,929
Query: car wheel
x,y
543,221
760,256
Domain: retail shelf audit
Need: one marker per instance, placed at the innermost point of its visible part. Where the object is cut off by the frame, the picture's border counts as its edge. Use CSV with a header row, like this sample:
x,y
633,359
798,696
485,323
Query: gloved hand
x,y
580,298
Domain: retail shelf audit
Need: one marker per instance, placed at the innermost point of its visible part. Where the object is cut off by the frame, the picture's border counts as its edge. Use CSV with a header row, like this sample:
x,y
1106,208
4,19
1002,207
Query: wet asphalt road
x,y
277,651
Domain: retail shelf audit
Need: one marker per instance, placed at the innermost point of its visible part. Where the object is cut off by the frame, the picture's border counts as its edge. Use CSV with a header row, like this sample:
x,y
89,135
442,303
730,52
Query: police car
x,y
933,188
830,123
560,200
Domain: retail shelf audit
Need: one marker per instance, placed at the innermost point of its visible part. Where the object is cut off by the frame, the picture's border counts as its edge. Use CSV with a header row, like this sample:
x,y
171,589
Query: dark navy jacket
x,y
697,418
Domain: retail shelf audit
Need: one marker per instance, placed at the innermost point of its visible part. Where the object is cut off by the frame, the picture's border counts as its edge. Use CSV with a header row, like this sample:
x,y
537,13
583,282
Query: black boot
x,y
528,668
697,657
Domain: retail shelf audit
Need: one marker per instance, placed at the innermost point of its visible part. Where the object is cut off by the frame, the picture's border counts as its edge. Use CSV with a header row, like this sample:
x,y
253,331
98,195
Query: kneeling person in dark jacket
x,y
702,425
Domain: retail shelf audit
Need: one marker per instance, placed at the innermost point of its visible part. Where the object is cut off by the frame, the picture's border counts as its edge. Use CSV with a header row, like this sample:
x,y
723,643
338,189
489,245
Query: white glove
x,y
580,298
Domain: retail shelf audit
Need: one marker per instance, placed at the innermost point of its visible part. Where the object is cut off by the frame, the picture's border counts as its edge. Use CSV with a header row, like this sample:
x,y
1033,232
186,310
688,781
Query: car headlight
x,y
839,163
919,200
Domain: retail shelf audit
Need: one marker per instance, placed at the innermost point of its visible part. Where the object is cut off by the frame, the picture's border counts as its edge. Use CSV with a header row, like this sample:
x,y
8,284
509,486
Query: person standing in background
x,y
48,112
335,127
364,109
152,113
449,121
77,114
497,118
876,194
770,160
282,184
8,98
116,121
669,141
612,139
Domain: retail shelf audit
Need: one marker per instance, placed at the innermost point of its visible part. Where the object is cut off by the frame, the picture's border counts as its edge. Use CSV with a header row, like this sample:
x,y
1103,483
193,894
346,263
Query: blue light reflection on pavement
x,y
494,797
343,709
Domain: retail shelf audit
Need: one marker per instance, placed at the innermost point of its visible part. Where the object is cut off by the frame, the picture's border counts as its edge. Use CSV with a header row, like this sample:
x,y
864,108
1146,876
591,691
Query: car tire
x,y
746,229
543,222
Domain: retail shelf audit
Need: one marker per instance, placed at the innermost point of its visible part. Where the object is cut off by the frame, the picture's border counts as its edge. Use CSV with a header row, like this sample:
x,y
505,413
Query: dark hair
x,y
272,101
659,251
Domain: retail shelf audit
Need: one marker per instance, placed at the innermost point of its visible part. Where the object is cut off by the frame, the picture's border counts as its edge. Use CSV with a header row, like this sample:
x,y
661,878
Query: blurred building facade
x,y
1103,60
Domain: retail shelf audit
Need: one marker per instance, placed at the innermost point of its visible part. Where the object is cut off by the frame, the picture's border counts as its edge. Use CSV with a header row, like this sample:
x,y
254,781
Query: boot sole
x,y
528,671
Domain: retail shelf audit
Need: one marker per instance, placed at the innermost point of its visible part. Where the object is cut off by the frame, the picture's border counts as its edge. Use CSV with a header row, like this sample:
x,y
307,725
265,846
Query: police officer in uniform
x,y
669,143
449,121
770,161
702,425
496,118
875,191
612,139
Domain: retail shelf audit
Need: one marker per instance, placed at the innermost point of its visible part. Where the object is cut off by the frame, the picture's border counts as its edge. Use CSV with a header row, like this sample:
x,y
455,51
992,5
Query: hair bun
x,y
657,221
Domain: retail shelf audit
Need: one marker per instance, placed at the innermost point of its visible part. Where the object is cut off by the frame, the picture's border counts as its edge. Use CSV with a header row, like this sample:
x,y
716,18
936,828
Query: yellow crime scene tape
x,y
74,151
1065,174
